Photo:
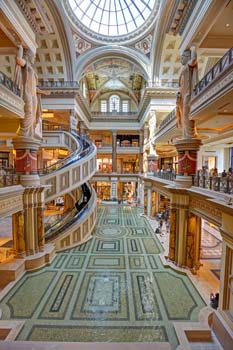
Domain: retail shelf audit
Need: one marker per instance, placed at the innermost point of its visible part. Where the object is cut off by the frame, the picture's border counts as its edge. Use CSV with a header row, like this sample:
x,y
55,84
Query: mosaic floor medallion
x,y
111,232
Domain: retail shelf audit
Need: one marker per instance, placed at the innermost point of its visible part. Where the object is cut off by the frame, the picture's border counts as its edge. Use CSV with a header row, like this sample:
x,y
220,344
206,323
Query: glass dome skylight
x,y
112,17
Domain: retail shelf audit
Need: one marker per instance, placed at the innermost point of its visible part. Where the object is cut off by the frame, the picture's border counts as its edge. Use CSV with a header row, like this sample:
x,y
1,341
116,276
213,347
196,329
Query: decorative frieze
x,y
208,209
10,205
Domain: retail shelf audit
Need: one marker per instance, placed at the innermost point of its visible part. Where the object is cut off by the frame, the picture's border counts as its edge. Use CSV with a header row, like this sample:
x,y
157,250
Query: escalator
x,y
77,225
81,206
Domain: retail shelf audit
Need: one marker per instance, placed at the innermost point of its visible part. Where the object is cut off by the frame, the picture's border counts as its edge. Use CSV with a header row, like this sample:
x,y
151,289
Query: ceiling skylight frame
x,y
134,15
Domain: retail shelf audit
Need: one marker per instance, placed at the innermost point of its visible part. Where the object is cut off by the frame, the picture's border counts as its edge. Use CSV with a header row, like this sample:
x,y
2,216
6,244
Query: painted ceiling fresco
x,y
115,74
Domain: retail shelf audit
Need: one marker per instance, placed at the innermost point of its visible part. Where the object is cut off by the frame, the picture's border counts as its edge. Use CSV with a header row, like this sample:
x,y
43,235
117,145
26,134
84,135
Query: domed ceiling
x,y
112,20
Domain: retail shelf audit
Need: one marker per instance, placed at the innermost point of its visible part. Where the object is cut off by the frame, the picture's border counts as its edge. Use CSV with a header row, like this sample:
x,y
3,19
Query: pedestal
x,y
26,160
187,161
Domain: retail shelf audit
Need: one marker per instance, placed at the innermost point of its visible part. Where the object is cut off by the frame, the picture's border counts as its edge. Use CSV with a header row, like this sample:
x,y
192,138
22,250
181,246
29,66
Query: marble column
x,y
29,227
193,241
226,277
146,132
114,190
141,141
81,128
145,200
18,234
114,151
149,193
73,121
173,234
40,218
154,204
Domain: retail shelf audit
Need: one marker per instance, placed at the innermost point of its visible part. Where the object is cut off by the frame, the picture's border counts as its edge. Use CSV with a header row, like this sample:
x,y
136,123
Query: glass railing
x,y
8,83
215,183
214,72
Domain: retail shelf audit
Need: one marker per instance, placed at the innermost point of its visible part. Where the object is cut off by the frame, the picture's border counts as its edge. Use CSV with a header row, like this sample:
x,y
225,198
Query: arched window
x,y
114,103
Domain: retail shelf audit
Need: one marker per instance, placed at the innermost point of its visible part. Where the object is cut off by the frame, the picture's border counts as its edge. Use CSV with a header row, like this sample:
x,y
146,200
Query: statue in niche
x,y
187,81
26,79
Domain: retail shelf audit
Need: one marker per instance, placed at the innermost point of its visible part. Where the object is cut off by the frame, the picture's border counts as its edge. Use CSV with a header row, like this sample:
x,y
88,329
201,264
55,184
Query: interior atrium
x,y
116,174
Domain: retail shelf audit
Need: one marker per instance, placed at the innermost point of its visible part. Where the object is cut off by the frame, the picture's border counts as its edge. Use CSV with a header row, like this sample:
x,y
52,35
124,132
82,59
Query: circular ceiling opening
x,y
112,18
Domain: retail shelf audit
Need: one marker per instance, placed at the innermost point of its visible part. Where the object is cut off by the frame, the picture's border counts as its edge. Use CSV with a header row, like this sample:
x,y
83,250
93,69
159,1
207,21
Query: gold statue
x,y
187,81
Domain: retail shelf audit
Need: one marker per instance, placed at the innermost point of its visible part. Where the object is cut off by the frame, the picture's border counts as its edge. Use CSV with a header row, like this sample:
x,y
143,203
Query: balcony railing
x,y
215,183
168,84
59,84
9,180
214,72
165,175
167,120
8,83
50,126
113,114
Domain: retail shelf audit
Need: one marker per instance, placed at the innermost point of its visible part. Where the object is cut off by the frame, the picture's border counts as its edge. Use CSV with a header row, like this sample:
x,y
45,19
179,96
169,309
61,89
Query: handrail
x,y
166,175
168,118
59,84
114,113
214,72
52,234
154,84
215,183
9,84
50,126
84,150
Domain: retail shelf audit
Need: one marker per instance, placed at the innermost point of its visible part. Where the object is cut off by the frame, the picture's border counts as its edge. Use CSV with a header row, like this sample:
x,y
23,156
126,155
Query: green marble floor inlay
x,y
113,288
97,334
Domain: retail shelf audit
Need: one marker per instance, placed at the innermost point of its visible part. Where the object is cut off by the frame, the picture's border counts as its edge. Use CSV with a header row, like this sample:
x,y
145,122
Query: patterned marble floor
x,y
113,288
211,246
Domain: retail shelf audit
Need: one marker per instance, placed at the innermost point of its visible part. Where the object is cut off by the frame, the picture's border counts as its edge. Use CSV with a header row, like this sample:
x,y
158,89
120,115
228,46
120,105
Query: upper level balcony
x,y
211,104
214,93
111,116
11,104
59,85
168,128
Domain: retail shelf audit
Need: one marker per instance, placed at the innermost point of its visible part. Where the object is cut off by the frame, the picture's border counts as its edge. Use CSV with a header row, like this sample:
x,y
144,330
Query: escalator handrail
x,y
83,151
76,217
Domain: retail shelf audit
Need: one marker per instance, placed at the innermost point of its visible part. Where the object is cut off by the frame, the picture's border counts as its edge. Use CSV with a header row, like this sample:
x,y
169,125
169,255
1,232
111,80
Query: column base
x,y
183,181
30,180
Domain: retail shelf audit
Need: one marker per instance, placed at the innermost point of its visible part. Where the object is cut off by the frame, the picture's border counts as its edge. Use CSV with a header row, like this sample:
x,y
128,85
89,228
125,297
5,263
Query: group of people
x,y
227,174
162,218
214,172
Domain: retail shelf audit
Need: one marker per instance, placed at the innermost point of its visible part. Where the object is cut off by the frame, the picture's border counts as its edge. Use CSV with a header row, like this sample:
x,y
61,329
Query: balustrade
x,y
214,72
59,84
166,175
8,83
215,183
9,180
